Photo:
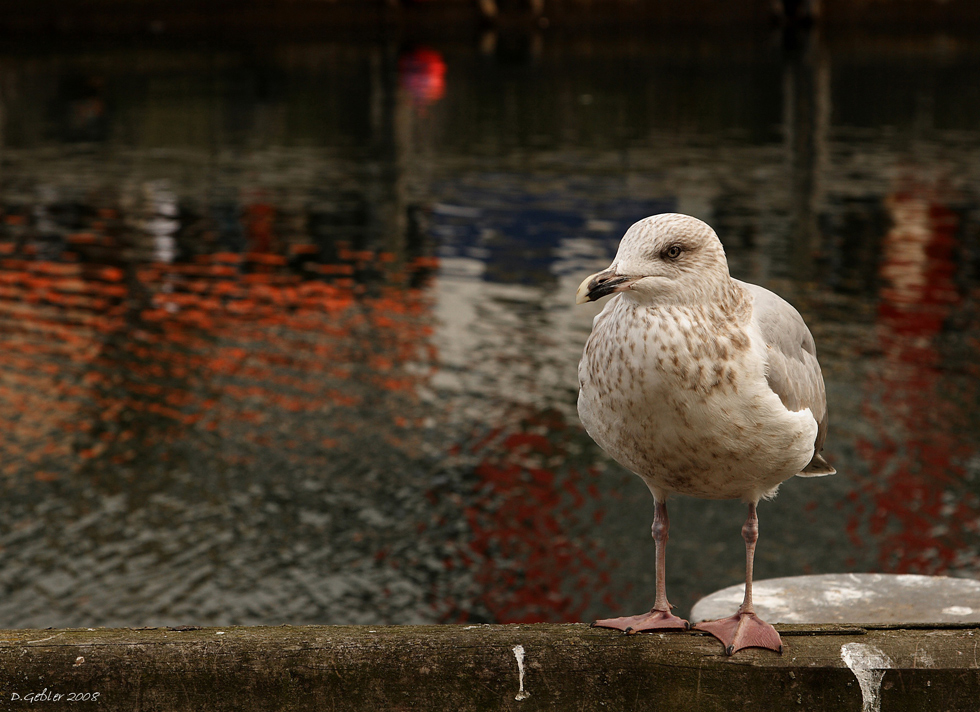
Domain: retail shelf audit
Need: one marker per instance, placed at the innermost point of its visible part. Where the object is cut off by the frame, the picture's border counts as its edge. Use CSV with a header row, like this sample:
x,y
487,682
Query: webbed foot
x,y
743,630
654,620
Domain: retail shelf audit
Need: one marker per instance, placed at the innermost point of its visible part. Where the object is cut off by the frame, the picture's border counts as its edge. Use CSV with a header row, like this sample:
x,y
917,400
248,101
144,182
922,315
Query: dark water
x,y
288,333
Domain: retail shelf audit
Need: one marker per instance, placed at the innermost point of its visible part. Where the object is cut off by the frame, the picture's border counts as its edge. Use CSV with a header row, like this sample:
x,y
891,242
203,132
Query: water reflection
x,y
422,73
920,514
288,334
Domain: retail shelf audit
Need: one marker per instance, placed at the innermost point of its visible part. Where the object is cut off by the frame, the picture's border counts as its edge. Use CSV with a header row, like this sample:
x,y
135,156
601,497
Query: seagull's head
x,y
663,259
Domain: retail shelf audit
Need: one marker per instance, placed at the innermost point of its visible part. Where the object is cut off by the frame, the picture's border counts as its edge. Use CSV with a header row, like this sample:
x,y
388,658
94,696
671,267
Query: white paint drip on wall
x,y
868,664
522,694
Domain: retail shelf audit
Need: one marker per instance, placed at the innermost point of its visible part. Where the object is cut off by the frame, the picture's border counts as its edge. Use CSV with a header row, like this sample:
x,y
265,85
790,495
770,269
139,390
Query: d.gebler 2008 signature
x,y
47,695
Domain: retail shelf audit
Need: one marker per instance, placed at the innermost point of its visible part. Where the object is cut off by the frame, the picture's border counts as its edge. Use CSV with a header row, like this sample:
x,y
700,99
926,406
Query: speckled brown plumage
x,y
681,390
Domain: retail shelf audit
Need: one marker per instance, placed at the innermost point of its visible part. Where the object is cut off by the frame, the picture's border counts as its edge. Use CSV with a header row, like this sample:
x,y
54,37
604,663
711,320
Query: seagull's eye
x,y
673,252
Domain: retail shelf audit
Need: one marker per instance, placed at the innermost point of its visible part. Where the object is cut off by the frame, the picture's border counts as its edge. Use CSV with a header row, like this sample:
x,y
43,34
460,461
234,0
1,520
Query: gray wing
x,y
792,369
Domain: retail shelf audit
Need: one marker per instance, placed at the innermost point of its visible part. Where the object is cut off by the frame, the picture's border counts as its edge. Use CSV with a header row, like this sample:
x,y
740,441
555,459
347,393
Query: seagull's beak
x,y
601,284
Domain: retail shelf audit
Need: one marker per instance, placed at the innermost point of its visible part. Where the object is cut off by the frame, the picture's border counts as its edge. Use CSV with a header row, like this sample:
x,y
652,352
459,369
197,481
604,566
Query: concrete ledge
x,y
476,668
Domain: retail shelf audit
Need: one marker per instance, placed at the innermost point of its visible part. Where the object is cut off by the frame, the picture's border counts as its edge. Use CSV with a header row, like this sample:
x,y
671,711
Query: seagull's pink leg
x,y
659,617
745,629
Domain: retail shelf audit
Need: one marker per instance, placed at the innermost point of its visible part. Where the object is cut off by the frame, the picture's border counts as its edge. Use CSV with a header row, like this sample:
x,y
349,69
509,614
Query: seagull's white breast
x,y
679,396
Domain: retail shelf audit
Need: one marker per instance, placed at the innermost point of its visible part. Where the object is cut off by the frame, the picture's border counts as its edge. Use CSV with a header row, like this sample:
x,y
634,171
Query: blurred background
x,y
287,330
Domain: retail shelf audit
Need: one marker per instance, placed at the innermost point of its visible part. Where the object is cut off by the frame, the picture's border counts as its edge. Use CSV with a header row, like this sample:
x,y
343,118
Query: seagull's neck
x,y
723,296
734,299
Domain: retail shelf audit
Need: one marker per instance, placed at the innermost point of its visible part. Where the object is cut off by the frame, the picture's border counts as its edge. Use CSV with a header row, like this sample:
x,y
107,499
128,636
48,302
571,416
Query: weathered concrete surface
x,y
475,668
843,598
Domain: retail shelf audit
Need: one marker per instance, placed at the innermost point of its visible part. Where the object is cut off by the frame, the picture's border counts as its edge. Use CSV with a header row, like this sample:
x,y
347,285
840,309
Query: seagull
x,y
702,385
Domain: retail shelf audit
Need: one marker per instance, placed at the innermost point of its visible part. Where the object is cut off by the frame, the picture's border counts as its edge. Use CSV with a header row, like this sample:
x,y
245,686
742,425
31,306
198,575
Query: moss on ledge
x,y
475,668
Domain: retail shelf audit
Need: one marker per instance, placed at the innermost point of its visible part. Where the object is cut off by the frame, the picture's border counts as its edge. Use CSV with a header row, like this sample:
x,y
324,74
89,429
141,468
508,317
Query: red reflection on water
x,y
108,361
259,219
422,73
920,516
528,520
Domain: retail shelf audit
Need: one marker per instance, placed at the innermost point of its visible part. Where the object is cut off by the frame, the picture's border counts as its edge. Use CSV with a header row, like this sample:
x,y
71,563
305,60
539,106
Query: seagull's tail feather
x,y
818,467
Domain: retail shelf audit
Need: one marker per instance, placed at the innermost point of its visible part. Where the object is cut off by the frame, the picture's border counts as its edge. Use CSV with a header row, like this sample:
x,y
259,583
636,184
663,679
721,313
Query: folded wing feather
x,y
792,371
